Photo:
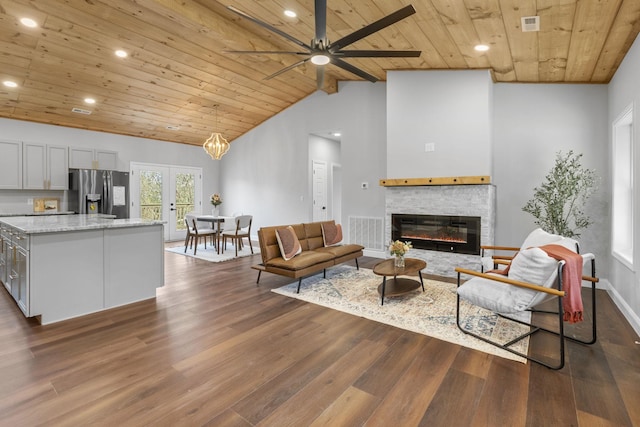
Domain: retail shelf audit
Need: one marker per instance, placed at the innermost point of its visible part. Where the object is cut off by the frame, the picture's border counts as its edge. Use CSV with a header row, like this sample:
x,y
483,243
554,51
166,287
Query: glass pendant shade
x,y
216,146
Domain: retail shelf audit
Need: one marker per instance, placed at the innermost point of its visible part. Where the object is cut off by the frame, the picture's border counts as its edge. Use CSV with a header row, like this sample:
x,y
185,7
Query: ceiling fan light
x,y
320,59
216,146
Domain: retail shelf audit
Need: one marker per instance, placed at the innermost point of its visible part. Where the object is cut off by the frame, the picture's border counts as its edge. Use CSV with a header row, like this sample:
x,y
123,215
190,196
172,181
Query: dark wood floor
x,y
215,349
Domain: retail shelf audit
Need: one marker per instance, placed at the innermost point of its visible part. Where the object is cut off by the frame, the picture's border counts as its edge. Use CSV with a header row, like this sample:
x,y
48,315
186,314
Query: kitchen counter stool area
x,y
62,268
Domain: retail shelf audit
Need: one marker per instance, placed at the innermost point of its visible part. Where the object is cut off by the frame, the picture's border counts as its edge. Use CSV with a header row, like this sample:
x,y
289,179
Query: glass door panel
x,y
166,193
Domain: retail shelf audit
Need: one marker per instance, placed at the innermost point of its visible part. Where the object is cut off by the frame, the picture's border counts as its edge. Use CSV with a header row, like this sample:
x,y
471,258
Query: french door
x,y
167,193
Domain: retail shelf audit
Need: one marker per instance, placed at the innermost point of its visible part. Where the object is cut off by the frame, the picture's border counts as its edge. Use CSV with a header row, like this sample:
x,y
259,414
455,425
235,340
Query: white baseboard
x,y
622,305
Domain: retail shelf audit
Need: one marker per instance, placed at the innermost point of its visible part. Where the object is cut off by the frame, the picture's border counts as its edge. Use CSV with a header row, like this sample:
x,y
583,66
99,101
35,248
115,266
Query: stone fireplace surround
x,y
466,200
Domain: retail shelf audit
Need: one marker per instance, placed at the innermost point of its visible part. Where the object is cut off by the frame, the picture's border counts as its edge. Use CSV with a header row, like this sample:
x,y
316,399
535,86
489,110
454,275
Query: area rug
x,y
432,312
210,254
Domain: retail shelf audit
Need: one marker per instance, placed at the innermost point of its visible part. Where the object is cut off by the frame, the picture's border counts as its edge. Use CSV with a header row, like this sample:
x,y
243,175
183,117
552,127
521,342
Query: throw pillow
x,y
288,242
331,234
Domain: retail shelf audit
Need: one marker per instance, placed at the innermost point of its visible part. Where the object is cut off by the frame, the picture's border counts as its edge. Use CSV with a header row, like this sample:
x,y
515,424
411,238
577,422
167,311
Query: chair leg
x,y
237,243
250,245
299,283
258,279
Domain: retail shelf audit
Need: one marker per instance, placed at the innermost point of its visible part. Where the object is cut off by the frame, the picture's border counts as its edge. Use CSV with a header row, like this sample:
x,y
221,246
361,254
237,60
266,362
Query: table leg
x,y
384,283
218,238
421,282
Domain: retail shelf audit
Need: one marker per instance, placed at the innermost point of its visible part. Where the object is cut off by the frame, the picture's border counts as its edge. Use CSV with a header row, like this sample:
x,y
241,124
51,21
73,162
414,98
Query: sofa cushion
x,y
301,261
288,242
331,233
341,250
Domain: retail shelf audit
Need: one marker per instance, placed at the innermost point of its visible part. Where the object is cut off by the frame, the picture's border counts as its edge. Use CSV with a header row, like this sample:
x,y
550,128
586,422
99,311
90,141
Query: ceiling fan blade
x,y
350,68
378,53
269,27
274,52
320,76
285,69
321,19
372,28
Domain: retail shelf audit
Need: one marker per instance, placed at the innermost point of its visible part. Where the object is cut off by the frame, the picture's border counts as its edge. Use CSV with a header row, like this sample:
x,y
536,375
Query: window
x,y
622,175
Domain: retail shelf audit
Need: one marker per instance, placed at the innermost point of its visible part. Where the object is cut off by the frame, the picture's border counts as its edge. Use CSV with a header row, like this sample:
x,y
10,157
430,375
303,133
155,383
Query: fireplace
x,y
445,233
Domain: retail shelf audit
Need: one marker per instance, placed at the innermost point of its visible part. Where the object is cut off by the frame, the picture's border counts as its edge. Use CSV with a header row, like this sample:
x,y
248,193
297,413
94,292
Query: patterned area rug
x,y
431,313
210,254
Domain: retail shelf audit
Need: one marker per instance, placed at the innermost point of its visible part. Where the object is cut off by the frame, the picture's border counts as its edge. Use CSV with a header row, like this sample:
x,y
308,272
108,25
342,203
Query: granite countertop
x,y
62,223
3,214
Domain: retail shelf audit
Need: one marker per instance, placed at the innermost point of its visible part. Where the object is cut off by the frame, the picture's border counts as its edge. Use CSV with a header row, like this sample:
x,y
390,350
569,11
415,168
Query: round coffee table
x,y
399,285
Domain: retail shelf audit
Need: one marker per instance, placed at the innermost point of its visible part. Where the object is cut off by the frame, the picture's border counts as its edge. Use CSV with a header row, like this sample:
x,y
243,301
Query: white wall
x,y
266,171
451,109
532,122
624,90
129,149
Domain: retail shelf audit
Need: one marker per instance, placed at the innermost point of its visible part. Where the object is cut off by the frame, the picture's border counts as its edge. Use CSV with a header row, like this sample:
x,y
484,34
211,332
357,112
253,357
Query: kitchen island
x,y
63,266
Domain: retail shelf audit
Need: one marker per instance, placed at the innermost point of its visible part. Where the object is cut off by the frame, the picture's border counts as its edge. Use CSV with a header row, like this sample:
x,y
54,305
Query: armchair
x,y
547,267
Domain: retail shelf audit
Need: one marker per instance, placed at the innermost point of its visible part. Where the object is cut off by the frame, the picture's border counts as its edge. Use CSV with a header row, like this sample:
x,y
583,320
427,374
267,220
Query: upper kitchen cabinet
x,y
89,158
10,165
45,167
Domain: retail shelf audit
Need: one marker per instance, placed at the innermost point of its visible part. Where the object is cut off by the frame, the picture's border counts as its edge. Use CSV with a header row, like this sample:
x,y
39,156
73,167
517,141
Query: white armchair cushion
x,y
539,237
531,265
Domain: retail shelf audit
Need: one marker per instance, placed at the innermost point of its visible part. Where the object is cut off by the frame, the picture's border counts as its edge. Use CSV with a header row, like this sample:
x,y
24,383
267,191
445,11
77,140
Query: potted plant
x,y
558,203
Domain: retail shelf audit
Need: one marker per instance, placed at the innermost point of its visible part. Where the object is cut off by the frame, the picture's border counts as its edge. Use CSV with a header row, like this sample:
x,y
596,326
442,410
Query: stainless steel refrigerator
x,y
99,191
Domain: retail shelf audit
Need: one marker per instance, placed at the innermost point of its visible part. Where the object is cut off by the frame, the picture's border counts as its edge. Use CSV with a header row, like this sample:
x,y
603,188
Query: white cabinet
x,y
88,158
5,245
10,165
45,167
15,266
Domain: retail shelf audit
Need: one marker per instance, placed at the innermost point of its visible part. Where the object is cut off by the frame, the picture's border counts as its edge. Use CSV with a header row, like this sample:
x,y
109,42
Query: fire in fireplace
x,y
445,233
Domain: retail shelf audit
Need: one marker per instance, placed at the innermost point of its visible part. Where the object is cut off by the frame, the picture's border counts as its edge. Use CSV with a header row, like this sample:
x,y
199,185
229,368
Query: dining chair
x,y
242,230
195,231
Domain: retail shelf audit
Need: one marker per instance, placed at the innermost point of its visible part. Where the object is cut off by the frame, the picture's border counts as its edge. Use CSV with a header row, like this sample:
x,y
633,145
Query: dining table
x,y
216,223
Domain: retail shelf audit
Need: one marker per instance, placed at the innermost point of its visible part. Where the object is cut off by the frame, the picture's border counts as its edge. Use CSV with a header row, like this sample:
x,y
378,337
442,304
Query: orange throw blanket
x,y
571,281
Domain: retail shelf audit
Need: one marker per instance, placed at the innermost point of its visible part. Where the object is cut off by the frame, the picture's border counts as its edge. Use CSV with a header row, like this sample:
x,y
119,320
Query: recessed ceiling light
x,y
121,53
290,13
337,134
481,47
9,83
89,101
28,22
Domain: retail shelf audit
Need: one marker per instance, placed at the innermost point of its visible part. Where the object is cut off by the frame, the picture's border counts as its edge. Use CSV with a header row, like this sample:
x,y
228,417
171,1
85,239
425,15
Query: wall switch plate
x,y
364,185
429,146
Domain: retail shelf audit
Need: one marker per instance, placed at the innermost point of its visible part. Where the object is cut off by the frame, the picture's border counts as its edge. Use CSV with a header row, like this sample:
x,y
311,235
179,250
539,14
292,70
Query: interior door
x,y
167,193
319,191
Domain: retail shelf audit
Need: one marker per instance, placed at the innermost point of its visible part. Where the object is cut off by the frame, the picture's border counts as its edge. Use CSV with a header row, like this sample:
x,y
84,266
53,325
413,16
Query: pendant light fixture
x,y
216,146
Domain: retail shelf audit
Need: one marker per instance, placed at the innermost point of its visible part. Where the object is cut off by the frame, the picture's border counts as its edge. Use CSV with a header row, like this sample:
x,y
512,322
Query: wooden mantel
x,y
446,180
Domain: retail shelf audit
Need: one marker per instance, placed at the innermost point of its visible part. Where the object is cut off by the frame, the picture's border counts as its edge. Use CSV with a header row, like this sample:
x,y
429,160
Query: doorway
x,y
325,176
166,193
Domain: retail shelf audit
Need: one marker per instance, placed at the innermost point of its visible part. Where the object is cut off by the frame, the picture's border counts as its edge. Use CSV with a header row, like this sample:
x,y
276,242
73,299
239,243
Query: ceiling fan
x,y
320,51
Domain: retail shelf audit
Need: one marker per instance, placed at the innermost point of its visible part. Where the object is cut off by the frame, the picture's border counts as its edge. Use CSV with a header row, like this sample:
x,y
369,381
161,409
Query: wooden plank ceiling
x,y
178,70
